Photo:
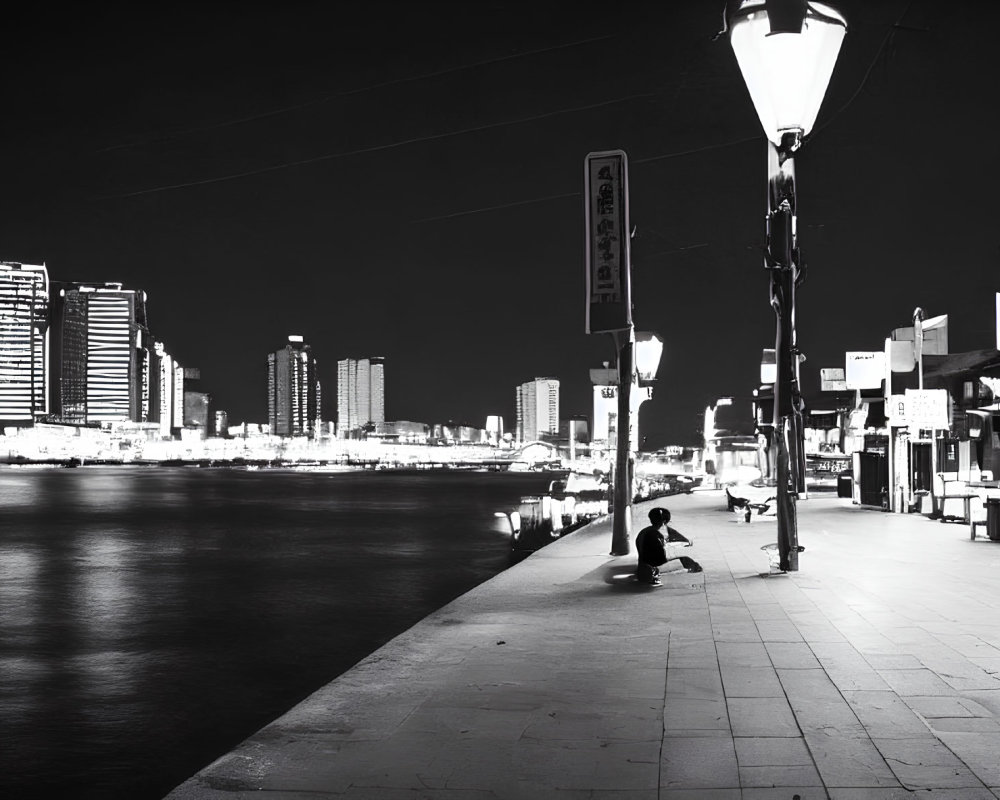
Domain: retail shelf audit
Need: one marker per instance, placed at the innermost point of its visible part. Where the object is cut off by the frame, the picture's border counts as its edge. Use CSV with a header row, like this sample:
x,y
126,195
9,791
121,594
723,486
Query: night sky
x,y
406,181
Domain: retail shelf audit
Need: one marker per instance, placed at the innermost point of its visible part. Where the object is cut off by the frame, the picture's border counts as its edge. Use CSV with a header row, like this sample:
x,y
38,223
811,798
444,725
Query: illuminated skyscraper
x,y
24,302
360,393
537,406
100,357
292,390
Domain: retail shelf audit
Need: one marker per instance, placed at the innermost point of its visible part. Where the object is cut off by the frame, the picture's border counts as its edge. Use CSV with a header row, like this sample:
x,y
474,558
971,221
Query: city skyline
x,y
414,188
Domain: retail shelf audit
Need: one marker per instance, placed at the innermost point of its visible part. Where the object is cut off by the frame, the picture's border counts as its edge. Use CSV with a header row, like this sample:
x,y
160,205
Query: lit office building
x,y
99,354
537,406
162,395
292,390
24,302
360,393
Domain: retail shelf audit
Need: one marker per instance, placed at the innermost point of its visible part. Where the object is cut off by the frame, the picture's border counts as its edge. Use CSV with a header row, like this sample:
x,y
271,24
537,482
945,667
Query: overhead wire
x,y
346,93
373,148
479,128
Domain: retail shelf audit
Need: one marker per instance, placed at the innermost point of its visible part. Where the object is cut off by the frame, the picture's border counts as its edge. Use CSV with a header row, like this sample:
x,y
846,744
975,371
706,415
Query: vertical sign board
x,y
609,292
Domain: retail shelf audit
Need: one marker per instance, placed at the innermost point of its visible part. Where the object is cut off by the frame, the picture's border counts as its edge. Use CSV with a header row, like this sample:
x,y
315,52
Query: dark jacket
x,y
651,546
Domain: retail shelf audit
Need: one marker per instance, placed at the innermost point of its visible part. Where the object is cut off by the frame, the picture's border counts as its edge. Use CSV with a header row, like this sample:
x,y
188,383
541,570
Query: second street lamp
x,y
786,50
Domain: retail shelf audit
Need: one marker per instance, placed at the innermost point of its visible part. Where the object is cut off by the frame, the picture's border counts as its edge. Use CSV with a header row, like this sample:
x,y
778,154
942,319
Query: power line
x,y
373,148
498,207
346,93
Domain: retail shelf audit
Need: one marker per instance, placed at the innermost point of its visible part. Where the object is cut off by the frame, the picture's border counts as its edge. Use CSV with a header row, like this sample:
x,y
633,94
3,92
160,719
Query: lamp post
x,y
786,50
638,361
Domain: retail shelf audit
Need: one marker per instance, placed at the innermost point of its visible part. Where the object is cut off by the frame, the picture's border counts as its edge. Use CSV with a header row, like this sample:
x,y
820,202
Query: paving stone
x,y
818,704
591,764
964,725
812,632
892,660
766,611
852,762
779,776
779,630
694,683
979,751
736,632
761,716
761,751
951,706
742,654
791,655
693,763
700,794
885,716
926,764
751,682
686,715
915,682
785,793
908,794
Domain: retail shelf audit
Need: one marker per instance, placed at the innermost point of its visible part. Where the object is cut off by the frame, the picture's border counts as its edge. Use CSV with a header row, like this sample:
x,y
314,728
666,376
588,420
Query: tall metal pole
x,y
781,261
622,519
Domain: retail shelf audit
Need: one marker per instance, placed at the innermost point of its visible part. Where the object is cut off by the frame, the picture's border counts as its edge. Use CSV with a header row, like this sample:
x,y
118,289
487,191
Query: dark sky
x,y
405,181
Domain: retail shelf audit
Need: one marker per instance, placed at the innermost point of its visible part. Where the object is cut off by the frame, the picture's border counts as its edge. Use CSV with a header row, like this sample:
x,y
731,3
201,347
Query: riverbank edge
x,y
463,624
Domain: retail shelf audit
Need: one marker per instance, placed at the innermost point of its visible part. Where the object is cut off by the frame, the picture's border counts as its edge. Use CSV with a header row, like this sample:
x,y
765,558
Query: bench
x,y
966,506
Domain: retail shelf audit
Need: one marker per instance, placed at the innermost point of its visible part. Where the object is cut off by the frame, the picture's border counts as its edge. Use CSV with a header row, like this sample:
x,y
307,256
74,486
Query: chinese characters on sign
x,y
608,288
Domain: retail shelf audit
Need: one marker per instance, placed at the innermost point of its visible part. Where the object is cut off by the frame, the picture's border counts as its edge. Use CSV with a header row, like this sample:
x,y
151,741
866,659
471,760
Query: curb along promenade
x,y
872,672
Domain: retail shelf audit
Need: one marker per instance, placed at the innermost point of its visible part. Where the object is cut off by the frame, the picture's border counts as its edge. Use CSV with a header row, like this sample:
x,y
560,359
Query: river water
x,y
153,618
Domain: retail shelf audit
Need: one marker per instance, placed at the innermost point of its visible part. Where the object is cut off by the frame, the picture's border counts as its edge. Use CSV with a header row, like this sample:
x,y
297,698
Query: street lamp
x,y
648,350
638,361
786,50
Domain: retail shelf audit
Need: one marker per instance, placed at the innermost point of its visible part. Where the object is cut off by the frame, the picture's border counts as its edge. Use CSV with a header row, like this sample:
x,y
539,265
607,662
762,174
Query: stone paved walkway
x,y
872,673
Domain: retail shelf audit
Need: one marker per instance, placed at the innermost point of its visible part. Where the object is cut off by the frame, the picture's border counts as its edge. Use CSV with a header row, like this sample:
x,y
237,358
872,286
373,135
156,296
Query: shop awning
x,y
958,364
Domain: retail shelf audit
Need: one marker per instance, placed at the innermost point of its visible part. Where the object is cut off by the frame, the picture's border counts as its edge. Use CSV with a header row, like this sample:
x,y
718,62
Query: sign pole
x,y
609,306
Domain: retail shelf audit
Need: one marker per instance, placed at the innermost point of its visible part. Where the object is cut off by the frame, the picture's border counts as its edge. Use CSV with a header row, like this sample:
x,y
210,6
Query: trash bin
x,y
993,518
845,487
773,558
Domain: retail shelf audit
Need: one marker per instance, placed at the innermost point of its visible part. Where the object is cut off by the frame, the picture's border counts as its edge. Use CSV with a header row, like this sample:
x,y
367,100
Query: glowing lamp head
x,y
648,349
786,50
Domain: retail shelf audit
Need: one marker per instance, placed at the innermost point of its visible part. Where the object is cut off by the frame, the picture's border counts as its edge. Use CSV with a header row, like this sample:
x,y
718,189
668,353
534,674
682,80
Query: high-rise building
x,y
99,354
292,390
537,407
24,303
163,395
360,393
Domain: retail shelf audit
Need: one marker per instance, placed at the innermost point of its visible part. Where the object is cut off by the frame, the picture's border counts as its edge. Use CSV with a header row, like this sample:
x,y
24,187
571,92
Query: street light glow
x,y
786,72
648,350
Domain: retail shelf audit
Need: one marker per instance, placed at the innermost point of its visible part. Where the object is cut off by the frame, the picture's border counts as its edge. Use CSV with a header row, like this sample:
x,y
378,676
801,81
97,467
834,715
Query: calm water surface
x,y
153,618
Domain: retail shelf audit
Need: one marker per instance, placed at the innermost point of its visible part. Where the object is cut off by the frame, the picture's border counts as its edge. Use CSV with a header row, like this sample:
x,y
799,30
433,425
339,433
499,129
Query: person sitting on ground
x,y
651,546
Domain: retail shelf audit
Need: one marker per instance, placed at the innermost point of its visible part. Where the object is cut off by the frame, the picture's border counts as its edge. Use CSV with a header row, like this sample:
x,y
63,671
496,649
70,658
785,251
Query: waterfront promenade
x,y
873,672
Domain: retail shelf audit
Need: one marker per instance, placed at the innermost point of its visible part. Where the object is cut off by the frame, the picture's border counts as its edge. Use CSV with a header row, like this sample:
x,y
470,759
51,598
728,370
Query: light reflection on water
x,y
151,619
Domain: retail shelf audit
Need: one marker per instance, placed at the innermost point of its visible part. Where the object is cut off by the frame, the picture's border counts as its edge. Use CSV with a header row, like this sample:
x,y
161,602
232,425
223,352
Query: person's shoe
x,y
696,569
656,582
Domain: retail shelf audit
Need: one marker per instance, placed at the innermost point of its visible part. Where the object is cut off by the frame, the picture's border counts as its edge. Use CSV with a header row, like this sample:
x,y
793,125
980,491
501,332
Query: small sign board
x,y
608,258
832,379
895,411
927,408
864,370
768,367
